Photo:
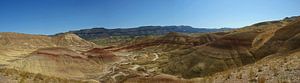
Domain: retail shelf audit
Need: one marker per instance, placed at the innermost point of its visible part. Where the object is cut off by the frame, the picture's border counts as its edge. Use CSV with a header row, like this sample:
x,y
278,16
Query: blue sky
x,y
53,16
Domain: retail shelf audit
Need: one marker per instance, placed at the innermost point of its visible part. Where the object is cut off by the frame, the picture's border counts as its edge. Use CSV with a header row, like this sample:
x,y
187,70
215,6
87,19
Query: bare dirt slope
x,y
54,57
186,57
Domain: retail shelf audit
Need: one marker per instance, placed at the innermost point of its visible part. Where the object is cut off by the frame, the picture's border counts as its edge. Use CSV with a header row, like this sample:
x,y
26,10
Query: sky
x,y
54,16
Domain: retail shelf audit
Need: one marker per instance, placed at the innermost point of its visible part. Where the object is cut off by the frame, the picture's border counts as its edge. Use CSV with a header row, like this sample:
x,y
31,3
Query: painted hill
x,y
16,46
184,56
65,63
56,59
9,40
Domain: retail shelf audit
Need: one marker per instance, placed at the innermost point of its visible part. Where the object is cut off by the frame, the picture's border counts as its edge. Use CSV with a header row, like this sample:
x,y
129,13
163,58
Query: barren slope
x,y
187,57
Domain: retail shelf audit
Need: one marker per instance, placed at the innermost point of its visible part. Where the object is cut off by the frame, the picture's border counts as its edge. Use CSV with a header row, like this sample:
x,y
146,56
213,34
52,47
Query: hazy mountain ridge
x,y
96,33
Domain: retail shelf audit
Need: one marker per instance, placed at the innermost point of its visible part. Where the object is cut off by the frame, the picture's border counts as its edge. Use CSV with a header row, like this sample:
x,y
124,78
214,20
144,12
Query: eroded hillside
x,y
263,52
187,57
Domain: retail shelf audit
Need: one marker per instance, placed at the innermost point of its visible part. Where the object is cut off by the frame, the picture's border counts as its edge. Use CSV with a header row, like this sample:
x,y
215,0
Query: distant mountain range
x,y
95,33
